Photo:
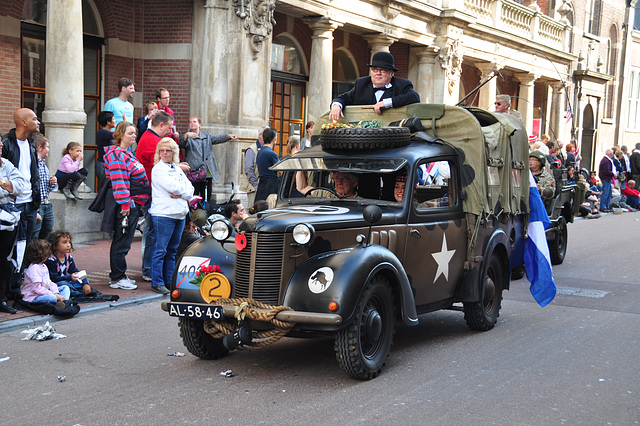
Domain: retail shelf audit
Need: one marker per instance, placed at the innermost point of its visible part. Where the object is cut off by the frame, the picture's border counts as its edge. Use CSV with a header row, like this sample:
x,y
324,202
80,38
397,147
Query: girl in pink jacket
x,y
70,172
37,285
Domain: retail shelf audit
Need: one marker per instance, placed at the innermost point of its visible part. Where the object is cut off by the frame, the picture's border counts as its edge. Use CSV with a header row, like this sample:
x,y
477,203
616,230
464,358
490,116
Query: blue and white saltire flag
x,y
537,261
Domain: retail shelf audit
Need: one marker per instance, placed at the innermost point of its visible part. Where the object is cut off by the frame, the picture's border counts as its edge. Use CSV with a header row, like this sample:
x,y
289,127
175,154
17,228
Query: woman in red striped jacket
x,y
131,191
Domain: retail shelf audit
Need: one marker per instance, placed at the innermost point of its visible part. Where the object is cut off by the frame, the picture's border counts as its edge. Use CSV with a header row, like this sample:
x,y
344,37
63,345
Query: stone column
x,y
421,74
230,80
556,112
63,115
525,105
379,43
321,68
487,93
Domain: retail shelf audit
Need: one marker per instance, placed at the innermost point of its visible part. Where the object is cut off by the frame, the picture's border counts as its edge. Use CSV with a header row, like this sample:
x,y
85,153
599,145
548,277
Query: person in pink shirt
x,y
37,286
70,172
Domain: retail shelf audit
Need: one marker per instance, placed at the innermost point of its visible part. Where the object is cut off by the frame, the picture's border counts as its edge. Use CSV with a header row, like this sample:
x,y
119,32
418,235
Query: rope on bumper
x,y
246,309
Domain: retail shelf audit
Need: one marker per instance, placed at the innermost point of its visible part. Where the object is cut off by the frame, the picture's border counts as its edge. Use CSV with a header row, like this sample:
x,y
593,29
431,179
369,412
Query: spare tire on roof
x,y
365,138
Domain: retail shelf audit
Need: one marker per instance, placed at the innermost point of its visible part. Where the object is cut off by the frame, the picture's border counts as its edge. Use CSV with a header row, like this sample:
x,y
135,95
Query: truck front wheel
x,y
483,314
558,246
198,342
363,347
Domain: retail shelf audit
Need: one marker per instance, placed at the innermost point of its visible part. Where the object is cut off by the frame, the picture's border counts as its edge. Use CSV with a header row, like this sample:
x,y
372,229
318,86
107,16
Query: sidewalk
x,y
94,258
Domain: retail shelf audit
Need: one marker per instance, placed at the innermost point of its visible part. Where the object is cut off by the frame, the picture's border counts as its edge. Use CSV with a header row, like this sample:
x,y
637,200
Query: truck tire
x,y
483,314
198,342
365,138
558,246
363,347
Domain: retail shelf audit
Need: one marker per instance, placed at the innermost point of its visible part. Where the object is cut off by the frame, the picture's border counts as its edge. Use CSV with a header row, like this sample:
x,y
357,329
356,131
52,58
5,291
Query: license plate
x,y
189,310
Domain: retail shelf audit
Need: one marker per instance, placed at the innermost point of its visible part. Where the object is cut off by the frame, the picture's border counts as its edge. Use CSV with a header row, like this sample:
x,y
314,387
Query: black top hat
x,y
383,60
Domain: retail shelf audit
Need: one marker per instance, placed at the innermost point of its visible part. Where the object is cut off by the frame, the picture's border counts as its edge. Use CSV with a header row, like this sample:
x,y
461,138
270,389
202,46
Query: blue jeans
x,y
51,298
121,244
168,234
148,243
75,287
45,226
605,198
27,223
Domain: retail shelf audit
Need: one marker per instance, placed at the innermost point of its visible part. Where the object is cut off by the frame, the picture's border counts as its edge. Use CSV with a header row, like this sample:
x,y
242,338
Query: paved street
x,y
573,362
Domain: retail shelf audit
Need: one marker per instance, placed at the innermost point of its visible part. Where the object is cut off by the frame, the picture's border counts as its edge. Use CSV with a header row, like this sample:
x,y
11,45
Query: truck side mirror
x,y
372,214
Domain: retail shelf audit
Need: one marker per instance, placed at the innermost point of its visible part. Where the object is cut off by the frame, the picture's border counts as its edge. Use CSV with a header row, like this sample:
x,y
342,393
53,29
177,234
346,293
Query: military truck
x,y
356,266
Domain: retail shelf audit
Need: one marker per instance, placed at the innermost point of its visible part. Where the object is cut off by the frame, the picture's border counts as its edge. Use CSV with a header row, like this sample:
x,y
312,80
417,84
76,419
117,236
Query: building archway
x,y
588,138
289,77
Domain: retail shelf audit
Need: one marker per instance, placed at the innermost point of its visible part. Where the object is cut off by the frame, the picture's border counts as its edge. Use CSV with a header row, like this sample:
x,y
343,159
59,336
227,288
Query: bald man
x,y
18,148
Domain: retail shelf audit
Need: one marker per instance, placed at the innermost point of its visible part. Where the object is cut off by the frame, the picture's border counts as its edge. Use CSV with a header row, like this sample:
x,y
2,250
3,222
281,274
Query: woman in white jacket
x,y
170,193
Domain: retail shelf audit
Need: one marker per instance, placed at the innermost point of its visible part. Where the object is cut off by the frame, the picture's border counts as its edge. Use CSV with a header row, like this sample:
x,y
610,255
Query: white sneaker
x,y
125,284
146,278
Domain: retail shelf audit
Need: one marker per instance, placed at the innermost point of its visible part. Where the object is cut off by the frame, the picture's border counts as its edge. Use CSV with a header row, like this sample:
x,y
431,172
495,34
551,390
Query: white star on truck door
x,y
442,259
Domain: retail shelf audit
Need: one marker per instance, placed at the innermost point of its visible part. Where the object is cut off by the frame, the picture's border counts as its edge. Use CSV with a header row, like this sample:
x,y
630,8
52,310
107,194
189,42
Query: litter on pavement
x,y
43,332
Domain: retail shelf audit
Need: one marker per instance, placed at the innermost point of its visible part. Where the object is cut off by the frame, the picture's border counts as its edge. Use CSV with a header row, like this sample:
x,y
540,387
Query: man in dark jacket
x,y
607,173
18,148
634,159
381,89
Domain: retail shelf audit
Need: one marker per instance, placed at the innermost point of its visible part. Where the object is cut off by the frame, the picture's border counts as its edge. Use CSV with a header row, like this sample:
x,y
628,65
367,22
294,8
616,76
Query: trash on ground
x,y
226,373
6,358
62,379
176,354
43,332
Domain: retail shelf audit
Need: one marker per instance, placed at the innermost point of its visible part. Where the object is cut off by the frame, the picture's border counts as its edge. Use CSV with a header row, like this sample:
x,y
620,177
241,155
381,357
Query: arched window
x,y
344,73
286,56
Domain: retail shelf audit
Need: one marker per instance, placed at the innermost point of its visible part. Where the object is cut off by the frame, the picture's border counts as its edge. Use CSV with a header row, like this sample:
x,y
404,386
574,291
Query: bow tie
x,y
379,88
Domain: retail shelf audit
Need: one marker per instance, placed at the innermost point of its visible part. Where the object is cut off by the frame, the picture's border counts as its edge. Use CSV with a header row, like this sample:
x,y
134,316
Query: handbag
x,y
198,174
9,217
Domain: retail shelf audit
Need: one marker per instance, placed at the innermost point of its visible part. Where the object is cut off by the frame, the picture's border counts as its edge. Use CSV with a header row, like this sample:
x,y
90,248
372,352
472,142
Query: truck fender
x,y
340,276
469,289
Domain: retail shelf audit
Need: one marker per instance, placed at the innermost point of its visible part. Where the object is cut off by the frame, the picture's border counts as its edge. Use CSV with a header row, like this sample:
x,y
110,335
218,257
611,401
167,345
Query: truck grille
x,y
259,268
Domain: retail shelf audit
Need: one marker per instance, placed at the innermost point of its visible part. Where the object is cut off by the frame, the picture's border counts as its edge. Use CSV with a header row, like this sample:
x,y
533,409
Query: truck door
x,y
436,233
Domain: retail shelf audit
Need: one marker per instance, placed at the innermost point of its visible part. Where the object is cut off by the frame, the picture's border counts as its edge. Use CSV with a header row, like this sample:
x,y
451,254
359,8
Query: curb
x,y
35,320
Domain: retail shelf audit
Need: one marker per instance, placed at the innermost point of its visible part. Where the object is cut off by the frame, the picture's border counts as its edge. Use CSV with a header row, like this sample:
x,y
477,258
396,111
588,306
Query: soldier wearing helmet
x,y
544,180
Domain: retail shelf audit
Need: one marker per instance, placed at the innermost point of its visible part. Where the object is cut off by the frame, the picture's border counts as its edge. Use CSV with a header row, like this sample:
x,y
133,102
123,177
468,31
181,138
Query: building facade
x,y
242,64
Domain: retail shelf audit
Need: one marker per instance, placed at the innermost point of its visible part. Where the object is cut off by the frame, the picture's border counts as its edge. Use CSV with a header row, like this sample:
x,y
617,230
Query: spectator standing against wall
x,y
131,191
44,218
120,106
607,174
308,129
161,126
268,182
18,148
163,98
198,153
104,139
150,109
12,183
249,178
170,192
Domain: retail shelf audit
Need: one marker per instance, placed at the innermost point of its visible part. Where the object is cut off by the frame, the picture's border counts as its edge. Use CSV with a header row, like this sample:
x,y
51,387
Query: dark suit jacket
x,y
401,93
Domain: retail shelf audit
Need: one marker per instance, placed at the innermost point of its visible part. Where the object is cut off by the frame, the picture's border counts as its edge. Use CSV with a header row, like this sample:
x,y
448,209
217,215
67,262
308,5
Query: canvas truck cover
x,y
493,147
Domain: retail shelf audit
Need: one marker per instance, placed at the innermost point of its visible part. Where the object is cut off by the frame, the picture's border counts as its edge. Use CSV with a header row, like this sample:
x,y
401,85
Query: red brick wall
x,y
10,98
153,22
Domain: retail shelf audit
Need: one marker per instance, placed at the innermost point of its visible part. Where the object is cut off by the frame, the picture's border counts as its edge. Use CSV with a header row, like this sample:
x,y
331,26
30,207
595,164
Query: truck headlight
x,y
303,233
221,229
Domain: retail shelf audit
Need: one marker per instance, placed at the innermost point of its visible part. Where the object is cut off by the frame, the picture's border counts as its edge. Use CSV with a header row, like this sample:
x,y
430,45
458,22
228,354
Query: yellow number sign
x,y
215,286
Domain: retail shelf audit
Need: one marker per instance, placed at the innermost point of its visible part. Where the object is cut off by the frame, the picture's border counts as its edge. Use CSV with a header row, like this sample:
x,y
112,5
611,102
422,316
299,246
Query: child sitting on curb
x,y
37,286
62,267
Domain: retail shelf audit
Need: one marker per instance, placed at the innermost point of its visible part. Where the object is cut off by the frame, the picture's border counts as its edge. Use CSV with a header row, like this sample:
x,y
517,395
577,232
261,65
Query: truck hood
x,y
333,216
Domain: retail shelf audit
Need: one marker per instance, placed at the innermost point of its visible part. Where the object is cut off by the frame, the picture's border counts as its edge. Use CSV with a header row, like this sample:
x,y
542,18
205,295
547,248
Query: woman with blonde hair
x,y
170,195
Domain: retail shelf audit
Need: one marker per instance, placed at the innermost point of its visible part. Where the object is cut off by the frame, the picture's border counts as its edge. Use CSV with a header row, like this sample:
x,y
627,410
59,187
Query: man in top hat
x,y
381,89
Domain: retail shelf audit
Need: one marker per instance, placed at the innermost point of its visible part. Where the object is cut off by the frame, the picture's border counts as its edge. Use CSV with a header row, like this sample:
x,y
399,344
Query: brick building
x,y
241,65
